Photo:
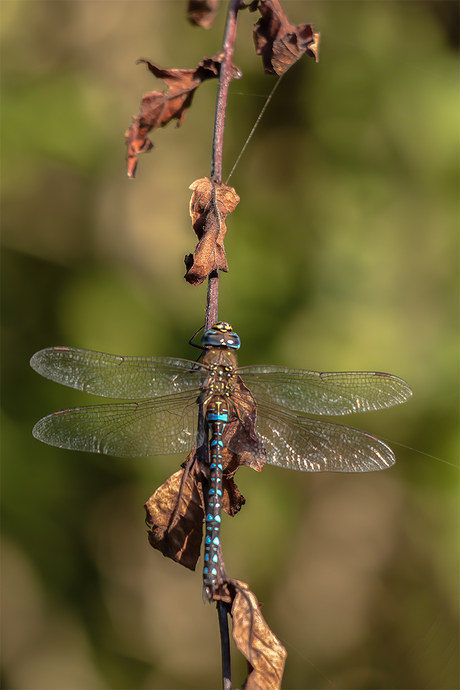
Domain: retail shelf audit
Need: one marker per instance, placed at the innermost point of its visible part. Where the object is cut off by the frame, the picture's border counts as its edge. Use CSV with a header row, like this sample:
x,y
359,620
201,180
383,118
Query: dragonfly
x,y
256,411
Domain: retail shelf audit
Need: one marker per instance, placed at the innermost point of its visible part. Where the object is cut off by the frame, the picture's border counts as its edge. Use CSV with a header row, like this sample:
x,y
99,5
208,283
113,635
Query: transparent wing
x,y
312,445
334,393
151,427
113,376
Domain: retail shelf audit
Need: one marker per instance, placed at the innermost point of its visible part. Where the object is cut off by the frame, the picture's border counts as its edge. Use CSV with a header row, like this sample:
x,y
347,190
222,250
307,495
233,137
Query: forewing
x,y
333,393
312,445
150,427
113,376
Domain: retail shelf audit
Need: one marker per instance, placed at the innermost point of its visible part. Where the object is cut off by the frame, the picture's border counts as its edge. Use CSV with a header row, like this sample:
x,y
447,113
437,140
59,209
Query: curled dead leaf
x,y
242,446
265,654
202,12
210,204
232,499
175,514
175,511
158,108
279,42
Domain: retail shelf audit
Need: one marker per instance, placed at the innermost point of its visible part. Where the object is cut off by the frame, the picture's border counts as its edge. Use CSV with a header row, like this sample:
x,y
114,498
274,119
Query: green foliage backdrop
x,y
343,255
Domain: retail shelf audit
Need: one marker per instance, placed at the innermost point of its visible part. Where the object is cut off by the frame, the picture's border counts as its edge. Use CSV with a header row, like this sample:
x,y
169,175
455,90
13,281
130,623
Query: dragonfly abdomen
x,y
217,418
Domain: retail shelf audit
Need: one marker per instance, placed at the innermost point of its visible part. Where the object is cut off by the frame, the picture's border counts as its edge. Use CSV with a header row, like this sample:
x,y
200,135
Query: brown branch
x,y
212,301
225,77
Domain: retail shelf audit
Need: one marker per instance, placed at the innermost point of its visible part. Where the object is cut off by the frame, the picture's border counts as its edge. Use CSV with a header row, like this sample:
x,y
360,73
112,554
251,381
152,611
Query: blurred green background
x,y
343,255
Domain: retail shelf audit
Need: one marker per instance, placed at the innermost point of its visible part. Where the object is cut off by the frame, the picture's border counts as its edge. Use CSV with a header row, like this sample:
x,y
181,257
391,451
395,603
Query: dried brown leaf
x,y
232,498
202,12
279,42
158,108
265,653
210,204
242,445
175,514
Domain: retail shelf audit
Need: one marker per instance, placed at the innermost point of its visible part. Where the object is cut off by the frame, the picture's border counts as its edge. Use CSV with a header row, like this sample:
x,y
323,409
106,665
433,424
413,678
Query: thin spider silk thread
x,y
254,128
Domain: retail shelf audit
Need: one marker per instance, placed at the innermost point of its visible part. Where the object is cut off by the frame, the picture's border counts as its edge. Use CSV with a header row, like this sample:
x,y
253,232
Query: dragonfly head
x,y
221,335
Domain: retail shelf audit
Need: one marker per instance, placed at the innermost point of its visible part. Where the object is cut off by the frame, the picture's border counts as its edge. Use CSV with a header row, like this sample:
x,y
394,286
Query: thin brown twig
x,y
222,611
225,78
212,300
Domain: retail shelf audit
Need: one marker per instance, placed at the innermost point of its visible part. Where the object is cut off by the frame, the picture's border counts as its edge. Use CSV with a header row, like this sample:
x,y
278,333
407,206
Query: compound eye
x,y
221,335
232,340
212,338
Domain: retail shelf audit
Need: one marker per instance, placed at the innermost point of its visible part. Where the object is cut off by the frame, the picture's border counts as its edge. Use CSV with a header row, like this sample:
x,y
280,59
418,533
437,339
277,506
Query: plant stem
x,y
225,78
225,645
212,300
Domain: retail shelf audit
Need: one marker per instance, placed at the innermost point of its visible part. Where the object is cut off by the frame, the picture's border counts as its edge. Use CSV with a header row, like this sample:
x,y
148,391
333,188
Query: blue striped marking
x,y
214,417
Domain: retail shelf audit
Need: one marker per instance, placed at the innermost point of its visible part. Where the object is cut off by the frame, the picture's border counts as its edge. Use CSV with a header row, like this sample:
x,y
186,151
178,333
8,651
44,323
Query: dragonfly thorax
x,y
219,379
219,382
221,361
